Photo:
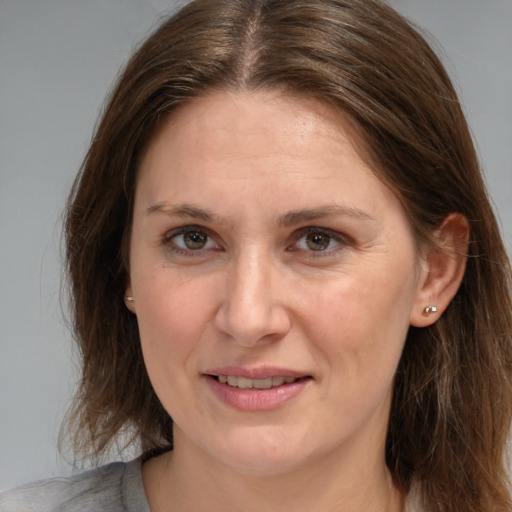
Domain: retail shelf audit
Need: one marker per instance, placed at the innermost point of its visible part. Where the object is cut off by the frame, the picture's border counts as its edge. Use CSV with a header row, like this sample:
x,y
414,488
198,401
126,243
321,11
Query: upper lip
x,y
263,372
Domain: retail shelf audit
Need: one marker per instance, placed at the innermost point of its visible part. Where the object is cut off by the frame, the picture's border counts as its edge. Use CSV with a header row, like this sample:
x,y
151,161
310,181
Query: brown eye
x,y
317,241
191,239
195,240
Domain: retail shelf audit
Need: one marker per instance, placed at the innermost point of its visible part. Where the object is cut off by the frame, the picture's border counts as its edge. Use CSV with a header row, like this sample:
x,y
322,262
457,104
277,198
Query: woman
x,y
288,283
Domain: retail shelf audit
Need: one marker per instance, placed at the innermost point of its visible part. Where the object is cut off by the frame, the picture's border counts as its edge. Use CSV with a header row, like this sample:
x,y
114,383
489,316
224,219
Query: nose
x,y
253,309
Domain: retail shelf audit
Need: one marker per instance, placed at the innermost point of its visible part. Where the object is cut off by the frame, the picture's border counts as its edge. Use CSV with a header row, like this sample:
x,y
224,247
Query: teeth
x,y
244,383
263,383
277,381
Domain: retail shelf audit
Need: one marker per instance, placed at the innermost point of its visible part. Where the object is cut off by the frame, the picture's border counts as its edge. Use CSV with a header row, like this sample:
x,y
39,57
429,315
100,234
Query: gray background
x,y
57,61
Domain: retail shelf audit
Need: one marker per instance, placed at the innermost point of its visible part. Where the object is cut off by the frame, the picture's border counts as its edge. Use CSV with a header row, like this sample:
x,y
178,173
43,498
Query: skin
x,y
328,291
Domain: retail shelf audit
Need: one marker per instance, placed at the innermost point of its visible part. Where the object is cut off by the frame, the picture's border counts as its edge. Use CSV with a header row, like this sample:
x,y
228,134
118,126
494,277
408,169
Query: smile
x,y
248,394
245,383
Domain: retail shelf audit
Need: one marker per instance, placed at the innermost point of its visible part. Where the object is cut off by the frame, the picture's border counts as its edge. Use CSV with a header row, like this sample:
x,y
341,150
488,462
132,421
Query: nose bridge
x,y
252,308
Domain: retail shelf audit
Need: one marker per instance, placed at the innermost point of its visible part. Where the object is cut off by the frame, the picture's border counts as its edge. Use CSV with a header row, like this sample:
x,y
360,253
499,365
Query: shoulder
x,y
115,487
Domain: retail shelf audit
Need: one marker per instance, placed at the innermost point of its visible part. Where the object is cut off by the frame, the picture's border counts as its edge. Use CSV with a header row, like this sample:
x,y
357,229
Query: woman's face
x,y
266,253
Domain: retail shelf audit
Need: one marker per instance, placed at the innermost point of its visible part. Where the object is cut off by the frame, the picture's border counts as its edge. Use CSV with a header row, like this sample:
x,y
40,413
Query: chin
x,y
266,454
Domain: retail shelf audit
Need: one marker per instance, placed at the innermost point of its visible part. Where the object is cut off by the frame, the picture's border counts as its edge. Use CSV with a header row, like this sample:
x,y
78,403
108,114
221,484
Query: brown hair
x,y
453,395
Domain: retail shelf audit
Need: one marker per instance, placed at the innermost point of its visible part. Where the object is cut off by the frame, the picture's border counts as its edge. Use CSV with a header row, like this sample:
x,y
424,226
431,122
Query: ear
x,y
128,298
443,268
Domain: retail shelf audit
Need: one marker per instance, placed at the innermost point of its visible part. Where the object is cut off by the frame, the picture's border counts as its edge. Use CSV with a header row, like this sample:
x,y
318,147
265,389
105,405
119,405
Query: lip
x,y
263,372
255,400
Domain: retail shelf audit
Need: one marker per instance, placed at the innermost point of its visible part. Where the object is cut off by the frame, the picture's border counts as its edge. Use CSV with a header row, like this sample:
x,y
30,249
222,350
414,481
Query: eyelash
x,y
341,241
172,246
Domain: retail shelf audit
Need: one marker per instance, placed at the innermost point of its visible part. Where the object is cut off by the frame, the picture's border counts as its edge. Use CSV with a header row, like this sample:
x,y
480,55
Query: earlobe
x,y
129,300
442,272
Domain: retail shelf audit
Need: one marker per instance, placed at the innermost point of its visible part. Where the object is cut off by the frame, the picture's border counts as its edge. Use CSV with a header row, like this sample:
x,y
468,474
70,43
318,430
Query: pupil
x,y
195,240
318,241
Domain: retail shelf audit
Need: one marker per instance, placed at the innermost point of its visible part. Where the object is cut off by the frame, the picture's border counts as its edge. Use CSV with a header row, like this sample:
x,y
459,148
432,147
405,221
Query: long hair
x,y
452,401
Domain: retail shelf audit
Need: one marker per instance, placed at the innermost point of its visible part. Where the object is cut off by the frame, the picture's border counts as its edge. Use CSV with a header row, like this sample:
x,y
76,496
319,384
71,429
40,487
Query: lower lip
x,y
256,399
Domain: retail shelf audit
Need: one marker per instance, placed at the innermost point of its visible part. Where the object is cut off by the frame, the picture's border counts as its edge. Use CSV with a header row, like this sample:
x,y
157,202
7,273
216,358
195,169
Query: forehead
x,y
255,125
286,148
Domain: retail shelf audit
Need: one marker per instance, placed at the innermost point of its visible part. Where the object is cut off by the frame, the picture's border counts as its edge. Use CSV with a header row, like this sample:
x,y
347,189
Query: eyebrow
x,y
289,219
298,216
184,210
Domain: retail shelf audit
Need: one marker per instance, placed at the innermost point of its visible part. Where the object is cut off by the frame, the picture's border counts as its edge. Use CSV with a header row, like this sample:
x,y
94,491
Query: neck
x,y
178,481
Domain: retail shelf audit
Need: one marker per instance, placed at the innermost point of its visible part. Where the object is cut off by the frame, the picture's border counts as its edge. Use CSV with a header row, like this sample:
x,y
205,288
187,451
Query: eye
x,y
317,240
190,239
193,240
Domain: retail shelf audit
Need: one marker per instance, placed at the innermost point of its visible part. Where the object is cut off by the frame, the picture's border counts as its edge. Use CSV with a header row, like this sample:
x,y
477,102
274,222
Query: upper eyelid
x,y
186,229
300,231
182,230
316,229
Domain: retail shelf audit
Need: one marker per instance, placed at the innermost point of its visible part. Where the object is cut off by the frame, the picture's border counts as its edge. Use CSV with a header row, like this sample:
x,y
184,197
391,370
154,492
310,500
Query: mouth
x,y
246,383
264,389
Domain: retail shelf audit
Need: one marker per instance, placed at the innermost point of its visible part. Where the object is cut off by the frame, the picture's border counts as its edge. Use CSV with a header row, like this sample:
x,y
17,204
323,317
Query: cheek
x,y
171,314
169,301
365,320
170,323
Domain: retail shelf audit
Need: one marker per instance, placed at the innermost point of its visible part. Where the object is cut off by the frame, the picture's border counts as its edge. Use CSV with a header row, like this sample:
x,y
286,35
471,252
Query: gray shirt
x,y
116,487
